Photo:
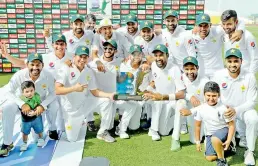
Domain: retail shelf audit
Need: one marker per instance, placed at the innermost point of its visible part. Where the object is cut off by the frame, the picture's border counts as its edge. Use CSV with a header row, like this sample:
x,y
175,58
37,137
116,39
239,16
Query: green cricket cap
x,y
203,18
160,47
77,17
233,52
170,13
190,59
134,48
131,18
111,42
58,37
34,56
82,50
146,24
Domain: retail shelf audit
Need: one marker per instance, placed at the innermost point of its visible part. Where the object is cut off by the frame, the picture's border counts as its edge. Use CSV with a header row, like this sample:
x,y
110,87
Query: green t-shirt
x,y
33,103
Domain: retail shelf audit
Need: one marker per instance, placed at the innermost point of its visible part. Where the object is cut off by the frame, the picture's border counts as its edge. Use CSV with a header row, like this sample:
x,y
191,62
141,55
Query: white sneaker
x,y
154,134
249,158
41,142
123,135
242,142
24,147
184,129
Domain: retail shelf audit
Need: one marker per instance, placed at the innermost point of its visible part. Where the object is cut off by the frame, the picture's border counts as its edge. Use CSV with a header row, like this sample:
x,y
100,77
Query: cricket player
x,y
75,85
179,42
90,22
140,82
169,86
107,33
148,40
194,90
131,30
106,81
247,43
239,93
209,43
44,83
77,36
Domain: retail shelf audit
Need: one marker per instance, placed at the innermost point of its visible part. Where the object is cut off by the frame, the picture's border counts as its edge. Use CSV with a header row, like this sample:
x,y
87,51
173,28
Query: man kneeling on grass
x,y
219,130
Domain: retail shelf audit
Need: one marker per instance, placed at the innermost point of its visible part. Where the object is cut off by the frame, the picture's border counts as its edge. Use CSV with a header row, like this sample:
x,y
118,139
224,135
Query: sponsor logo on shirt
x,y
155,75
71,41
51,64
196,41
142,47
224,85
253,44
72,74
190,42
44,86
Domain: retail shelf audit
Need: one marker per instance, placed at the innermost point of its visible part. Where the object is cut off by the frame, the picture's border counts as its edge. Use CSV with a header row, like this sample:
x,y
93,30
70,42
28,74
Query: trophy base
x,y
127,97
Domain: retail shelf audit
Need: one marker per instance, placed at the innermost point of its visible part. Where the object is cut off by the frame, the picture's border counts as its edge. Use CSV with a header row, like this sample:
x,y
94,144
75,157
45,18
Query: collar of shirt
x,y
196,81
177,31
240,76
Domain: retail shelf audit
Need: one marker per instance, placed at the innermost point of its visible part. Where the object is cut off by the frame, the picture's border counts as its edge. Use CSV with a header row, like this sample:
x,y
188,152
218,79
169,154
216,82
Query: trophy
x,y
126,87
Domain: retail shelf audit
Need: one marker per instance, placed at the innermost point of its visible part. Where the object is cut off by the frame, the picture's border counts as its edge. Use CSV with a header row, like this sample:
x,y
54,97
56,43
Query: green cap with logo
x,y
131,18
203,18
170,13
82,50
146,24
111,42
58,37
77,17
34,56
190,59
233,52
160,47
134,48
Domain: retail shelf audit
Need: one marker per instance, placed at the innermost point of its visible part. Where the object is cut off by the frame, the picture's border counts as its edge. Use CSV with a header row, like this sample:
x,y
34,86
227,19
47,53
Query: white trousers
x,y
247,125
103,106
127,109
166,115
10,109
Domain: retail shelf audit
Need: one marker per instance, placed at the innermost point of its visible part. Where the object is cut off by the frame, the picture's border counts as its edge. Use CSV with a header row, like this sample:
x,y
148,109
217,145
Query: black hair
x,y
211,87
226,15
90,17
27,84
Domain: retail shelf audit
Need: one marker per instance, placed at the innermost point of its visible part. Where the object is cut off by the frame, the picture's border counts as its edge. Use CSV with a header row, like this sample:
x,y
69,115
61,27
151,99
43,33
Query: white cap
x,y
105,22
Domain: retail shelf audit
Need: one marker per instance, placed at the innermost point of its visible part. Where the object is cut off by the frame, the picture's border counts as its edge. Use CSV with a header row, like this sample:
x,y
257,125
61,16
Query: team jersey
x,y
167,80
180,44
123,44
70,76
248,48
129,36
44,86
73,42
240,93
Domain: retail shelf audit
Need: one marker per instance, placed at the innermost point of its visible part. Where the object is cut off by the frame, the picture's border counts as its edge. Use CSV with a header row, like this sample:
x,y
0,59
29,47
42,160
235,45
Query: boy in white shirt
x,y
219,129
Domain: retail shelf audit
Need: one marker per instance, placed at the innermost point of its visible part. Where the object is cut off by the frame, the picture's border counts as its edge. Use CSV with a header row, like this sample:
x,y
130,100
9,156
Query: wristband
x,y
172,97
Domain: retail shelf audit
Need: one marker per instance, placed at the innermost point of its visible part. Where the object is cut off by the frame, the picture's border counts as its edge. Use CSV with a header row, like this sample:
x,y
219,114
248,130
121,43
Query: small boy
x,y
219,130
33,119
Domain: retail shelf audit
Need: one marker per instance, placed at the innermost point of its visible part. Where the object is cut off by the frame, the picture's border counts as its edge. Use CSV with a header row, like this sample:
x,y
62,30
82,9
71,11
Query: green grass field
x,y
140,150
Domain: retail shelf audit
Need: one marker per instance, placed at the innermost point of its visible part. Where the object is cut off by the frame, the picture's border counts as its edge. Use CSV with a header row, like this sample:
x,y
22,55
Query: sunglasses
x,y
109,49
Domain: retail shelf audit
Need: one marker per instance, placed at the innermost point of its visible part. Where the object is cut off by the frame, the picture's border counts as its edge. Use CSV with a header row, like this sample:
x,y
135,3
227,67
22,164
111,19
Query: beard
x,y
34,72
172,27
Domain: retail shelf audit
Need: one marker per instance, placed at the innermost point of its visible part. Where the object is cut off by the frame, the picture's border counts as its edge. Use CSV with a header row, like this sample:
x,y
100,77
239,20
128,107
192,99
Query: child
x,y
33,119
219,130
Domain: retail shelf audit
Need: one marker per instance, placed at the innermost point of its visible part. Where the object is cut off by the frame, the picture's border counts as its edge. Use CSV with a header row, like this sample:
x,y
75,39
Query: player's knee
x,y
215,140
252,120
54,105
210,158
10,108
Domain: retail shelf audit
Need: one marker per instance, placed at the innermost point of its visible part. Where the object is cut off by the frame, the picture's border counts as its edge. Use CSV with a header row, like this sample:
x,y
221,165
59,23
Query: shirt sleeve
x,y
51,95
62,75
251,97
96,40
196,113
12,86
253,53
189,45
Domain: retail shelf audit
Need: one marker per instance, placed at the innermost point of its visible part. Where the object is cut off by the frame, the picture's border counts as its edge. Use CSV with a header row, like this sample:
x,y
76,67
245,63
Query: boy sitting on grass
x,y
33,119
219,130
